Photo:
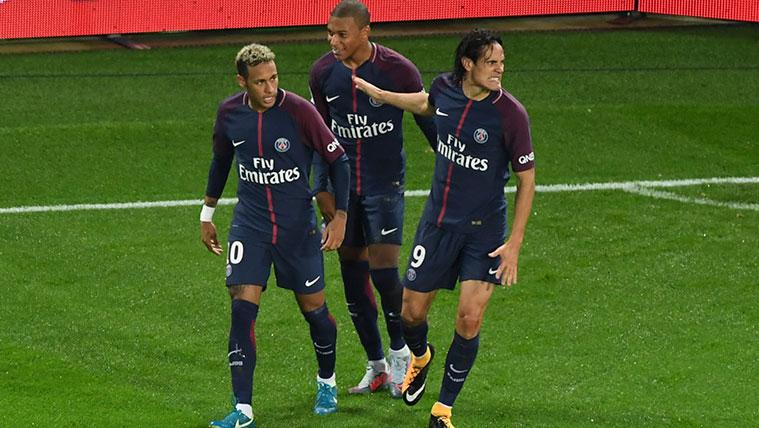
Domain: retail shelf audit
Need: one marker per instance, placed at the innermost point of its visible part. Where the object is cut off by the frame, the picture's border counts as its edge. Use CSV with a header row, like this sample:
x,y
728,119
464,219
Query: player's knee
x,y
412,316
468,325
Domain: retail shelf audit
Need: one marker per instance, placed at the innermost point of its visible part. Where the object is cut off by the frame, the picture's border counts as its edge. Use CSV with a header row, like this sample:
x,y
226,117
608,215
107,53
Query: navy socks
x,y
324,337
458,363
242,349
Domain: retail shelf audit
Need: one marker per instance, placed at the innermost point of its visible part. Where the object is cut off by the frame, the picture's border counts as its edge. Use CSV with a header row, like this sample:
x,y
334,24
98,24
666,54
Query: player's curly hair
x,y
352,9
472,46
252,55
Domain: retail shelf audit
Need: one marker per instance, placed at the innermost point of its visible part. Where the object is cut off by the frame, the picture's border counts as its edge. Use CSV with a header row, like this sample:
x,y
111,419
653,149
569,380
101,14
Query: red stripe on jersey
x,y
463,116
450,166
445,194
358,142
269,198
271,215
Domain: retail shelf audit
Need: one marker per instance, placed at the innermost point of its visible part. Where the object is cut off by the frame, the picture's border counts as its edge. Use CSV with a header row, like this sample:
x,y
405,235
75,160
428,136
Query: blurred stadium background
x,y
637,300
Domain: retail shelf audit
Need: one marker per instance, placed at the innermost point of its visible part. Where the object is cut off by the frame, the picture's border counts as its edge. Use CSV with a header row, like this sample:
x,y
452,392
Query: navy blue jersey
x,y
274,150
371,133
476,142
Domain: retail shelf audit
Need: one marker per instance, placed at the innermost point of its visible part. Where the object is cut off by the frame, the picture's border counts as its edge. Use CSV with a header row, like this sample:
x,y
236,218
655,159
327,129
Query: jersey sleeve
x,y
434,90
518,140
316,77
221,162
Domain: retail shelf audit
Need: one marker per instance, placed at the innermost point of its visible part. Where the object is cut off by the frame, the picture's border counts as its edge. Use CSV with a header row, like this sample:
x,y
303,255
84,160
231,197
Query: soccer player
x,y
482,129
372,136
273,134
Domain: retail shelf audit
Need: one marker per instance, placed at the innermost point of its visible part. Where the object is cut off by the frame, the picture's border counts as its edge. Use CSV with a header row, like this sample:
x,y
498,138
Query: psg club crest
x,y
374,102
480,135
411,274
282,145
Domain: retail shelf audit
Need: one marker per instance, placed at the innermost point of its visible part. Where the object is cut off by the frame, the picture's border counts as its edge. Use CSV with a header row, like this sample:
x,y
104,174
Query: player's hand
x,y
507,268
208,236
334,232
367,88
326,203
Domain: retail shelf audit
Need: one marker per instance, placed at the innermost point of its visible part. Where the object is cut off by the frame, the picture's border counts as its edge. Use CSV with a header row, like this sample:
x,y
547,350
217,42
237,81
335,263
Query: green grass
x,y
630,311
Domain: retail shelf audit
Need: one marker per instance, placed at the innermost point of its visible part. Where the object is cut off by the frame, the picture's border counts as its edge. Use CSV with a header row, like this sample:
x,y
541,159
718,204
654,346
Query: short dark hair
x,y
472,46
252,55
352,9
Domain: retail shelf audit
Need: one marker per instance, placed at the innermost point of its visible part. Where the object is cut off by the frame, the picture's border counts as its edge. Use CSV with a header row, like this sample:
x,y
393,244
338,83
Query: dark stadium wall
x,y
56,18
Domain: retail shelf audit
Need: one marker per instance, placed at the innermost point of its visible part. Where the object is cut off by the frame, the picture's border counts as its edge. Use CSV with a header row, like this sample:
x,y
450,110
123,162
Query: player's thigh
x,y
298,263
248,260
383,218
383,256
354,229
434,260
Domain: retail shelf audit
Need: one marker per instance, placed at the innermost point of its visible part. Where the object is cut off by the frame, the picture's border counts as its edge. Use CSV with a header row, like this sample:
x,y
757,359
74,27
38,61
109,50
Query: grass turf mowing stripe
x,y
639,187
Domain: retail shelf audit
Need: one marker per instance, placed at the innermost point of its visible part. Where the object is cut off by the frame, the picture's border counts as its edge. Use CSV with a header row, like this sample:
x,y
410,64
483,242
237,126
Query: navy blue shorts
x,y
374,219
440,257
298,263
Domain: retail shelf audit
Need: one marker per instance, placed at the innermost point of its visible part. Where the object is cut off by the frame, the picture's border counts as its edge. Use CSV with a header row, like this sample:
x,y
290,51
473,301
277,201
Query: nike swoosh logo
x,y
412,397
237,143
234,352
313,281
450,366
440,113
330,99
492,271
384,232
246,424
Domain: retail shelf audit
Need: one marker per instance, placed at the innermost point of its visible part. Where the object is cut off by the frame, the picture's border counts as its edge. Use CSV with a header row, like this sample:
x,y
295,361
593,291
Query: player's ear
x,y
467,63
241,81
365,31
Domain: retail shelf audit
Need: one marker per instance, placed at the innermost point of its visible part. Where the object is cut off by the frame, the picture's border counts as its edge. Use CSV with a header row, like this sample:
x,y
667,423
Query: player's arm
x,y
509,252
340,175
321,139
325,200
223,154
415,102
427,125
523,165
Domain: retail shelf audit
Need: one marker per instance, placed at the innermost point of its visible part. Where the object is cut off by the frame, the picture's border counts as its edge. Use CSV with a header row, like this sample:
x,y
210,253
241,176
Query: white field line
x,y
639,187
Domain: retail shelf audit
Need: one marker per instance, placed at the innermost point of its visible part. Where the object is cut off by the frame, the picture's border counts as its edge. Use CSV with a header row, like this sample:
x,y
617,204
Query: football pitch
x,y
638,296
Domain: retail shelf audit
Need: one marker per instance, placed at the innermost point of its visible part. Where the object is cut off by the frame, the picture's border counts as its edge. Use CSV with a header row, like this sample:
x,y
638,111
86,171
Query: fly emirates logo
x,y
359,127
453,150
264,173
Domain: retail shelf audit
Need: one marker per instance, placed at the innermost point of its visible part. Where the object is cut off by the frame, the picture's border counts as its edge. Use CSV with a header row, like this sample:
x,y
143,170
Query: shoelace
x,y
446,421
410,376
324,395
398,368
234,416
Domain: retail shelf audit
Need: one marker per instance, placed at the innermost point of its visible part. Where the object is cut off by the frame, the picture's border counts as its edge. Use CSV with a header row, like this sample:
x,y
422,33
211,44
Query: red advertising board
x,y
734,10
52,18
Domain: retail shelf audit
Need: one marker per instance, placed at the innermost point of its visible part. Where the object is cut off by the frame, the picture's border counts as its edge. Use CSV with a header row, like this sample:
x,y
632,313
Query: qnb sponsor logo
x,y
448,150
331,147
526,158
266,174
359,127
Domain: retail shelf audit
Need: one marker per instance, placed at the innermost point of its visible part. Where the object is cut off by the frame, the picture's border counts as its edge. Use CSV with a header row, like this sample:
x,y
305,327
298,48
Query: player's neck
x,y
473,91
360,56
